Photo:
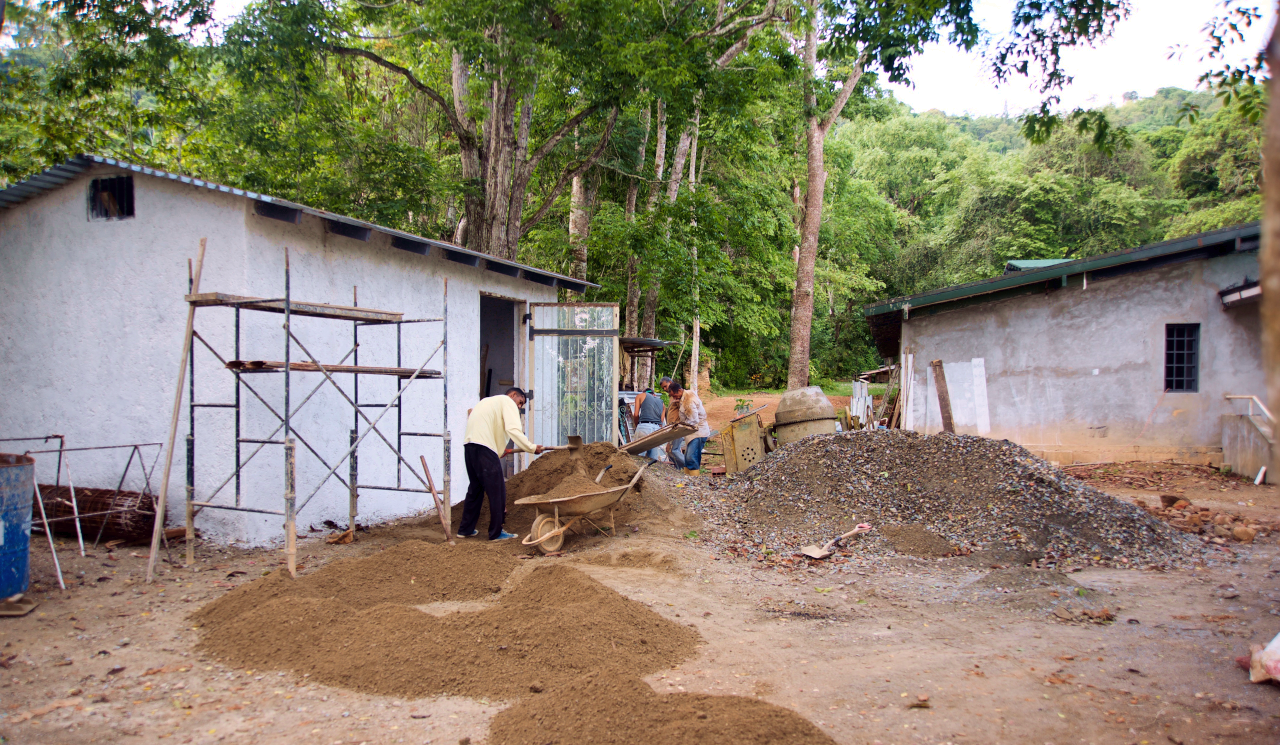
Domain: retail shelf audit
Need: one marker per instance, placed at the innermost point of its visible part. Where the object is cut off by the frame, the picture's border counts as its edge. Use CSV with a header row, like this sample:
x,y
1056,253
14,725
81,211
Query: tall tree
x,y
885,34
856,34
596,53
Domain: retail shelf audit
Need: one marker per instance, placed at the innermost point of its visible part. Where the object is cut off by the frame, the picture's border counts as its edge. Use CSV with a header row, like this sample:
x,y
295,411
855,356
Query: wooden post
x,y
158,531
944,399
1269,256
353,496
446,517
290,497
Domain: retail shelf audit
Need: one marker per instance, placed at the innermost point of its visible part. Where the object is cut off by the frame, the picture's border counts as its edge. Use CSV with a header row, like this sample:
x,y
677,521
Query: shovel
x,y
813,552
575,444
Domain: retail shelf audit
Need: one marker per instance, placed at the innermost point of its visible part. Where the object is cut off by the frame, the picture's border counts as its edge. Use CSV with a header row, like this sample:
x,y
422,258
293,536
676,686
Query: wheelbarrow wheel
x,y
543,525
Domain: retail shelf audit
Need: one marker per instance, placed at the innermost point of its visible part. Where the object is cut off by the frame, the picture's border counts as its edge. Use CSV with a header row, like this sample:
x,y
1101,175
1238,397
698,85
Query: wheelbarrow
x,y
558,516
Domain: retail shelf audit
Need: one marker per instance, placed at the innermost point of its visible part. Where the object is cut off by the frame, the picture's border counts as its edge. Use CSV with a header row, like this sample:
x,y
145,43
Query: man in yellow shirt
x,y
491,423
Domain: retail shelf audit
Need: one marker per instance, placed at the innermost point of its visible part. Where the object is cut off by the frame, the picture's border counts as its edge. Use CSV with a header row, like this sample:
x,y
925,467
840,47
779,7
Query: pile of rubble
x,y
975,494
1216,526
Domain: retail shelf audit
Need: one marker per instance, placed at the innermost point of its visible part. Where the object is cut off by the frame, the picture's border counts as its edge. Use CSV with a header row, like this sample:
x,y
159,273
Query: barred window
x,y
111,198
1182,357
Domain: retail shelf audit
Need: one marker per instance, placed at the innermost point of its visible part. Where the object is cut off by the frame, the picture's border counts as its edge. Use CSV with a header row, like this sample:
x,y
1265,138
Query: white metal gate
x,y
575,372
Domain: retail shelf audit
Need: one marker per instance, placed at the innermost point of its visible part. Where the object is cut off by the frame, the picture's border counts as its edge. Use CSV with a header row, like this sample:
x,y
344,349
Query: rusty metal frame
x,y
135,450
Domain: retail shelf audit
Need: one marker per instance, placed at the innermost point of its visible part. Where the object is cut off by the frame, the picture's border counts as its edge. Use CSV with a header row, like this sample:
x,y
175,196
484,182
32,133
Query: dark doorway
x,y
497,345
498,353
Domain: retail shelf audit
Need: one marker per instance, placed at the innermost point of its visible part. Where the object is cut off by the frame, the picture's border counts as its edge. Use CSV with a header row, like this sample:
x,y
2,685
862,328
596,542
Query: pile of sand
x,y
410,573
547,472
554,626
604,709
634,559
914,540
573,485
549,469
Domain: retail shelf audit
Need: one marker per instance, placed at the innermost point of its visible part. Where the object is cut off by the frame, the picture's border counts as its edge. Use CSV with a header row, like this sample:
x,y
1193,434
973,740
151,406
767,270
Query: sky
x,y
1134,59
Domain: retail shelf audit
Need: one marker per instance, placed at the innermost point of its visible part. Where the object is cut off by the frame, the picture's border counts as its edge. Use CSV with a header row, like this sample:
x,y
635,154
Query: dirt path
x,y
720,408
113,660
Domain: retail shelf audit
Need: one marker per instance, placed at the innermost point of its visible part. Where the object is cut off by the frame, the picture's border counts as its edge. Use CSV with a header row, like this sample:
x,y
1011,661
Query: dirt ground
x,y
720,408
932,651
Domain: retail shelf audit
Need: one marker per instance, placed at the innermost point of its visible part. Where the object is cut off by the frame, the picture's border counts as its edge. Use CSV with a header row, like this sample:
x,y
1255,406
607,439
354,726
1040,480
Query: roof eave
x,y
1058,271
55,176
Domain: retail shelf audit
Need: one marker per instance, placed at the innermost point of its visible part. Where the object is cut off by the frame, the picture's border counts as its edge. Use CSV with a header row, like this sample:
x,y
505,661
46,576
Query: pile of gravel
x,y
972,493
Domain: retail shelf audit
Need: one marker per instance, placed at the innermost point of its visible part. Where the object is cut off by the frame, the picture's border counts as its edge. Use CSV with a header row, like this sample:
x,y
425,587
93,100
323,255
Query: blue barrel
x,y
17,473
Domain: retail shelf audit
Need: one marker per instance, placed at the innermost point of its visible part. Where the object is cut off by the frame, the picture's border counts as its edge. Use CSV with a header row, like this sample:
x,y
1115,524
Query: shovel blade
x,y
575,442
813,552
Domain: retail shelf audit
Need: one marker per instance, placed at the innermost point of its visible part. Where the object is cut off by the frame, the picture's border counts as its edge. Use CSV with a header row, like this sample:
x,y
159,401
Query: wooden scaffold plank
x,y
276,305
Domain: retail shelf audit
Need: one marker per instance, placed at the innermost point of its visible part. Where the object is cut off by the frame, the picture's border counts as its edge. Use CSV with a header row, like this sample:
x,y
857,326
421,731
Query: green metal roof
x,y
1022,265
1238,238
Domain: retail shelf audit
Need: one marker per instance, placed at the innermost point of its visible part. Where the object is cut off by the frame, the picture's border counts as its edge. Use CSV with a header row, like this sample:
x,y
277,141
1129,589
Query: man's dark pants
x,y
484,470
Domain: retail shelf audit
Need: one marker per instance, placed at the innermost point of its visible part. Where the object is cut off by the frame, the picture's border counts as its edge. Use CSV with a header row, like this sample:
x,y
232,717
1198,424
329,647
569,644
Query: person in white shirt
x,y
490,424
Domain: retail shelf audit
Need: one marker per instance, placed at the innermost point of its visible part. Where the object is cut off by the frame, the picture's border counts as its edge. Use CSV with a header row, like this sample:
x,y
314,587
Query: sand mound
x,y
556,625
410,573
549,469
637,559
547,472
573,485
970,492
915,540
607,709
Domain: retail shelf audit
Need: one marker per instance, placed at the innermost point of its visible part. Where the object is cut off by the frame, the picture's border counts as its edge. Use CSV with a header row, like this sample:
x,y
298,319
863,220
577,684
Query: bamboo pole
x,y
158,531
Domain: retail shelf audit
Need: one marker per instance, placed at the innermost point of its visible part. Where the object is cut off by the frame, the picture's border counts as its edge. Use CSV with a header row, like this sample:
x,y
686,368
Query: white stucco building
x,y
95,259
1126,356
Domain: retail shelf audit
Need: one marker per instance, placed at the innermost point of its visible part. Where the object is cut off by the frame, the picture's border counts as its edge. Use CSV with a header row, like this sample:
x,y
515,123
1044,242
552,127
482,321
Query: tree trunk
x,y
695,345
472,184
1270,254
659,154
815,137
633,188
579,221
520,180
802,297
499,192
649,319
633,261
797,199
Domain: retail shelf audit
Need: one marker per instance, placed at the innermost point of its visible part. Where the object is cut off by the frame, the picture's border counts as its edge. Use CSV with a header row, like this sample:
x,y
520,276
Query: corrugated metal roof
x,y
1241,237
1022,265
52,178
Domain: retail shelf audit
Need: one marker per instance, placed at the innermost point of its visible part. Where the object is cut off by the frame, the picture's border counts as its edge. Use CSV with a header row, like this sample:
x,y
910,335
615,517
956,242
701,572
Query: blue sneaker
x,y
468,535
504,535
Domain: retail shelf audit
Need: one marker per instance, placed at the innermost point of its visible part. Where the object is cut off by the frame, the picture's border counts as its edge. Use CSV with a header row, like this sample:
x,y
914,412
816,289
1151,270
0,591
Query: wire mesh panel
x,y
574,372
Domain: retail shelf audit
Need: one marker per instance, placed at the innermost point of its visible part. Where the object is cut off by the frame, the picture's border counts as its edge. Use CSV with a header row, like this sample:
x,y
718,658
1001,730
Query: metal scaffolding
x,y
289,437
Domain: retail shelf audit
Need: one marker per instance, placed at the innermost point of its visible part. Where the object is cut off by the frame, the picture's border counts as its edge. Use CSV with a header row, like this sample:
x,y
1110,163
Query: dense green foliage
x,y
913,200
